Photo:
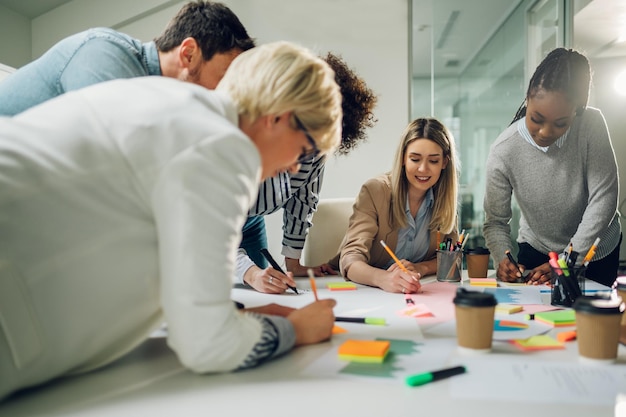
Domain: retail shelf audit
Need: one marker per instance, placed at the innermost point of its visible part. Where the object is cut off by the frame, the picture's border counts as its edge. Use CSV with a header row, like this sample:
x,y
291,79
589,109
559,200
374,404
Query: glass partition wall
x,y
478,97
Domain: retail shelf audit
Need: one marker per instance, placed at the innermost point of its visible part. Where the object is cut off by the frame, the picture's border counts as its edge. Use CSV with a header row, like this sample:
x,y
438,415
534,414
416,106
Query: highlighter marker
x,y
426,377
409,299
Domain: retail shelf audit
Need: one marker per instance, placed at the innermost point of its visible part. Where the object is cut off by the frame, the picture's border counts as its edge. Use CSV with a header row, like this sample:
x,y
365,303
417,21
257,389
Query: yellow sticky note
x,y
508,308
483,282
540,342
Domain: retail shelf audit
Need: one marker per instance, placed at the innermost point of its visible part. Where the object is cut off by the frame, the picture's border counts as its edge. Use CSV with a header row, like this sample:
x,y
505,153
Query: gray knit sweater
x,y
566,194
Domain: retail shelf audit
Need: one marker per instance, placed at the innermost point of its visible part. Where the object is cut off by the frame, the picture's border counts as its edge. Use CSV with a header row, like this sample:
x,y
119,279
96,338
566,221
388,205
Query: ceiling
x,y
457,29
32,8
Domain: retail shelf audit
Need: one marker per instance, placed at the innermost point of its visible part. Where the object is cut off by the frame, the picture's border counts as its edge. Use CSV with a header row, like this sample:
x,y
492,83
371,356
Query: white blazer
x,y
112,226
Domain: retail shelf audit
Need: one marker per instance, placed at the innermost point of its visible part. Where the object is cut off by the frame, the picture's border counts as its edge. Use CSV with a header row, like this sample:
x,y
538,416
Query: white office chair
x,y
330,223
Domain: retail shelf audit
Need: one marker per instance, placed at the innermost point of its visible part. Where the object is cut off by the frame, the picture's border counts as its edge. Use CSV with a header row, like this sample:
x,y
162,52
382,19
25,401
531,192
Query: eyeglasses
x,y
310,154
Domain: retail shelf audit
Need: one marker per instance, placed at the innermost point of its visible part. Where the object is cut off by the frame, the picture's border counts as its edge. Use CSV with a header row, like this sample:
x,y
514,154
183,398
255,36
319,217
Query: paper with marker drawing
x,y
507,379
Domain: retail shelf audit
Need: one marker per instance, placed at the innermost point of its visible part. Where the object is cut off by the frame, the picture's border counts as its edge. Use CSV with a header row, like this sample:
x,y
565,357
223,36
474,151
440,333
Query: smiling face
x,y
423,162
548,116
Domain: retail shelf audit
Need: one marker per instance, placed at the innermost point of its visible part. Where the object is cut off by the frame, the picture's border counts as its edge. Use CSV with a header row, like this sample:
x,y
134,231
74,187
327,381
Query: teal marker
x,y
426,377
365,320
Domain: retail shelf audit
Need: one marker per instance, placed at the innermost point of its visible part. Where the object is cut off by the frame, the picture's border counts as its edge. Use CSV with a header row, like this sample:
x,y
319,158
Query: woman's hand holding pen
x,y
509,271
403,281
268,280
313,323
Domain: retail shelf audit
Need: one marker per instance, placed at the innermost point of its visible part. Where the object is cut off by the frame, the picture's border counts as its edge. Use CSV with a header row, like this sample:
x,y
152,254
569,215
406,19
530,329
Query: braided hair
x,y
563,70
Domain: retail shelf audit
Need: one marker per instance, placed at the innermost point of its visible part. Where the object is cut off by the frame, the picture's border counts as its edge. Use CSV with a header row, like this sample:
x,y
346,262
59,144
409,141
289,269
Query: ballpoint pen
x,y
266,254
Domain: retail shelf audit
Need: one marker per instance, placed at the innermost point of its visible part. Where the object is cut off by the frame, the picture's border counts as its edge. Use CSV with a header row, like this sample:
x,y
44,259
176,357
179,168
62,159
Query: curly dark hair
x,y
357,104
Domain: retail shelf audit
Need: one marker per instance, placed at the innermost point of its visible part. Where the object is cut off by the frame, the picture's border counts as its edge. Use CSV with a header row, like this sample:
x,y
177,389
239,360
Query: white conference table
x,y
151,382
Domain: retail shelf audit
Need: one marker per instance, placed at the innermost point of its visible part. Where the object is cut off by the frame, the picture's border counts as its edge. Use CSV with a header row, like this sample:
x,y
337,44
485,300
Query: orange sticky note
x,y
566,336
364,350
337,330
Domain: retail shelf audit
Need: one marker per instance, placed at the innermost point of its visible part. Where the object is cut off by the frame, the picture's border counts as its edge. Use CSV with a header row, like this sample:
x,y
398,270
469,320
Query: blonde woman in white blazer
x,y
121,205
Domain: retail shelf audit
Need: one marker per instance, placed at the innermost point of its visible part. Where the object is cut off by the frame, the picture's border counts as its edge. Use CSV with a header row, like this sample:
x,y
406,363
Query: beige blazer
x,y
370,223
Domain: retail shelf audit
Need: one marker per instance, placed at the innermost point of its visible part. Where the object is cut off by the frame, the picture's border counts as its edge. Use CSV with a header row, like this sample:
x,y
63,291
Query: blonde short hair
x,y
283,77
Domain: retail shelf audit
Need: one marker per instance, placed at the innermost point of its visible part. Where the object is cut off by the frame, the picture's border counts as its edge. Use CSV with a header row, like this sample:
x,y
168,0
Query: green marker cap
x,y
419,379
375,320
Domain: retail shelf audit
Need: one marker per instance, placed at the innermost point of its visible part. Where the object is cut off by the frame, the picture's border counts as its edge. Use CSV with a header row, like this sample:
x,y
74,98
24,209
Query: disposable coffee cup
x,y
474,320
620,289
597,328
477,260
449,265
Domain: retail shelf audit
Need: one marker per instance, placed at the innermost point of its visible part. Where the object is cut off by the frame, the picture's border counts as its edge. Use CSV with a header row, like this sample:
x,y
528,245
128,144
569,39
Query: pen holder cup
x,y
449,265
568,283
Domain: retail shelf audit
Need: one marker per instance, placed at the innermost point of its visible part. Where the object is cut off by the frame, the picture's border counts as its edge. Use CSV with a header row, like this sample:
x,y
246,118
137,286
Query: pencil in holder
x,y
568,283
449,265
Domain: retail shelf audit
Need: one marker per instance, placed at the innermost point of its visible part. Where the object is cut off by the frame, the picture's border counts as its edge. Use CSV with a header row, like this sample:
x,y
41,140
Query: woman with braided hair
x,y
557,159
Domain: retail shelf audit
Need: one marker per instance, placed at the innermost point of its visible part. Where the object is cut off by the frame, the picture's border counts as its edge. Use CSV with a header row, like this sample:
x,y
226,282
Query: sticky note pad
x,y
341,286
508,308
557,318
368,351
337,330
540,342
566,336
483,282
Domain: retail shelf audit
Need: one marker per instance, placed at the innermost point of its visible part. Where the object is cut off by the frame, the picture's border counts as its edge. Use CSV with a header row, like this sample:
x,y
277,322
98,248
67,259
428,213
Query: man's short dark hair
x,y
214,26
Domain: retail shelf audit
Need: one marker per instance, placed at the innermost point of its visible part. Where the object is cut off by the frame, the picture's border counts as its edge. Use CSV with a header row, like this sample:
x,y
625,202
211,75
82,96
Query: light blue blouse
x,y
414,239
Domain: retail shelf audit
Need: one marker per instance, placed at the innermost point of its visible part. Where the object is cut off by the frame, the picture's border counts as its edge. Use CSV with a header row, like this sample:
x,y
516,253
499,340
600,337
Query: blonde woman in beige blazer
x,y
408,209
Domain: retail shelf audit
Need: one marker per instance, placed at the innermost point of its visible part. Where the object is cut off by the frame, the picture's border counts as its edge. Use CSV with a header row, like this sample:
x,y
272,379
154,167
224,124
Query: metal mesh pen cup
x,y
449,265
568,283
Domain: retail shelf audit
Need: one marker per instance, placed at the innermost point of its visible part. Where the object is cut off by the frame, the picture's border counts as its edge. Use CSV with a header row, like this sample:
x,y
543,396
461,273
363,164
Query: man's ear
x,y
188,52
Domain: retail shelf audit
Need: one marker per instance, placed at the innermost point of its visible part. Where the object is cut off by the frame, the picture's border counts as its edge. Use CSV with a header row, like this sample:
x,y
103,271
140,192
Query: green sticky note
x,y
341,286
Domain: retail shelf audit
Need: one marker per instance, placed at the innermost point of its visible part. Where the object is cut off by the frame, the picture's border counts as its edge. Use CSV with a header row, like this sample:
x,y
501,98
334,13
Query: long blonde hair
x,y
445,191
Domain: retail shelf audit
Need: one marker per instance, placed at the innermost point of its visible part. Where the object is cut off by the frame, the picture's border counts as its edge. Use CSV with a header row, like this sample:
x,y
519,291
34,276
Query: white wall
x,y
371,35
15,38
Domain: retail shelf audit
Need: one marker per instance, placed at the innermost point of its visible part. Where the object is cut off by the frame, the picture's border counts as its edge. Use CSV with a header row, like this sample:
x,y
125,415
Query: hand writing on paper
x,y
268,280
399,281
293,265
508,271
314,322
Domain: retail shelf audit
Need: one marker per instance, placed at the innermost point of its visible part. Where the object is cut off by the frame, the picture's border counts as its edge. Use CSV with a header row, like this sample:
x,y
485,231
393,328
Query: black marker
x,y
275,265
514,262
